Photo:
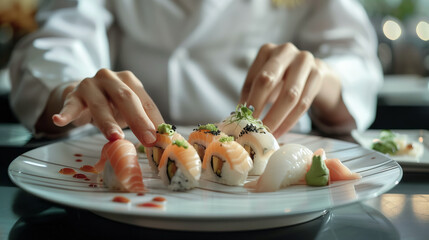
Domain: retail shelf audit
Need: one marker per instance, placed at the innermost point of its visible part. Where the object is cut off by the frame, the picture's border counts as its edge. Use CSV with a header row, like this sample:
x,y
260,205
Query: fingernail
x,y
114,134
149,137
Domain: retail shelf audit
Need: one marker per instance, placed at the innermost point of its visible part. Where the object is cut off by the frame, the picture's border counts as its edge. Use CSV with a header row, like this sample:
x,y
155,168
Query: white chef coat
x,y
192,56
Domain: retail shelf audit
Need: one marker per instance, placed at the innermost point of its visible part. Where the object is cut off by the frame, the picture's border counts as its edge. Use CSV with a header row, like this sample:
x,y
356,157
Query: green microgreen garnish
x,y
165,128
181,143
226,139
242,112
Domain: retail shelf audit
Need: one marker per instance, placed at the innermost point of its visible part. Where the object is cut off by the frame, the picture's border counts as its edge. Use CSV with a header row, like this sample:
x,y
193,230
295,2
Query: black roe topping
x,y
251,128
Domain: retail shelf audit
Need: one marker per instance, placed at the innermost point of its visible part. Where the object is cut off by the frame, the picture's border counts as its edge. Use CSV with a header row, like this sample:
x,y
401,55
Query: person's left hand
x,y
287,77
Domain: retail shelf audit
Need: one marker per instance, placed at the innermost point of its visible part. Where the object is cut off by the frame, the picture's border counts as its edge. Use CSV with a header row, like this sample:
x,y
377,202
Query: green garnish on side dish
x,y
386,143
242,112
166,128
318,174
226,139
181,143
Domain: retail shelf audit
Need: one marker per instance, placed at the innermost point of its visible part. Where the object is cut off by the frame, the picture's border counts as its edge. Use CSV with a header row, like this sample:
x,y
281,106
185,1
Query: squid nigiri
x,y
287,166
227,162
260,144
119,166
180,166
201,137
164,136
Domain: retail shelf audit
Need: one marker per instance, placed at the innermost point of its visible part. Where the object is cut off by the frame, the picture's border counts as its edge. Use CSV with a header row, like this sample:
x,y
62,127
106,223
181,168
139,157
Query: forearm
x,y
54,104
328,106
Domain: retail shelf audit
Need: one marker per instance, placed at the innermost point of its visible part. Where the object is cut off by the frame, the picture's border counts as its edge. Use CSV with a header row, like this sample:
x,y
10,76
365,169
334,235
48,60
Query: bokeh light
x,y
392,30
422,30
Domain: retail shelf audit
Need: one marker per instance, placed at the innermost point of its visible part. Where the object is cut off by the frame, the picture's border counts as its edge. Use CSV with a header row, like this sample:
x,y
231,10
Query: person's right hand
x,y
111,101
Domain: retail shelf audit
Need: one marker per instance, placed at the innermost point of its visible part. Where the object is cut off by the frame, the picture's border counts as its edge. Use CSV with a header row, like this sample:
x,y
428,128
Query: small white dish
x,y
408,163
211,206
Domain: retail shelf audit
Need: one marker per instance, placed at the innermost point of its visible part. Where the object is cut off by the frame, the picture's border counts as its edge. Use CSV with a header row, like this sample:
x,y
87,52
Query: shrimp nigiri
x,y
180,166
119,166
227,162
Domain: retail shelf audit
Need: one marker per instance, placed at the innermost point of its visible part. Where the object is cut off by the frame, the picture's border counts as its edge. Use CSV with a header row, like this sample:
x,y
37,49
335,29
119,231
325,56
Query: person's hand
x,y
291,79
111,101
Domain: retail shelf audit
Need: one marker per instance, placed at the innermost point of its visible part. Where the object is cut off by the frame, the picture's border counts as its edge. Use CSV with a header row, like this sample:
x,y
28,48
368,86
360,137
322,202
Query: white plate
x,y
211,207
408,163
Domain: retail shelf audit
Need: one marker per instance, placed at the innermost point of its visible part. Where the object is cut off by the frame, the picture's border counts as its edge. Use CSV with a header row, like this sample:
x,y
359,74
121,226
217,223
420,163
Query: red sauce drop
x,y
79,175
140,194
92,185
150,205
159,199
87,179
88,168
78,160
78,155
67,171
120,199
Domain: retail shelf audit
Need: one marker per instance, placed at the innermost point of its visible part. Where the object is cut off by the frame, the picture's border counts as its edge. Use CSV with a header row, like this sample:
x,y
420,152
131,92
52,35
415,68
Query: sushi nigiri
x,y
201,137
234,124
260,144
165,134
287,166
226,162
180,166
119,166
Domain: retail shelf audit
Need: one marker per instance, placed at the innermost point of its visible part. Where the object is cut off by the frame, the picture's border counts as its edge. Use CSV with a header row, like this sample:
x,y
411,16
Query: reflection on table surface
x,y
402,213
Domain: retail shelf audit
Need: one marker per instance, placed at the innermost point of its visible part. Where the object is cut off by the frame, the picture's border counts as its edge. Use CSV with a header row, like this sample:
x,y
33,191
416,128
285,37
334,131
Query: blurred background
x,y
402,28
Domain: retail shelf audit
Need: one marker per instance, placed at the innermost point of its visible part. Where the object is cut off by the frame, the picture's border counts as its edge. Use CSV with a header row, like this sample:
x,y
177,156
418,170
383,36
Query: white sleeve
x,y
71,44
340,33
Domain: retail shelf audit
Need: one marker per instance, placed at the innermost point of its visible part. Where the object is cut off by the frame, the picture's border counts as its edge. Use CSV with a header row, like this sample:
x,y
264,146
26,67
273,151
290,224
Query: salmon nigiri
x,y
227,162
119,166
201,137
165,134
180,166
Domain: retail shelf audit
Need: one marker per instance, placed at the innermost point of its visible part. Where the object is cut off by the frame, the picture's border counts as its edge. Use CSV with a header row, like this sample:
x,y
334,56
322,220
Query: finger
x,y
259,61
130,107
118,116
311,89
148,105
101,112
269,77
71,110
294,82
